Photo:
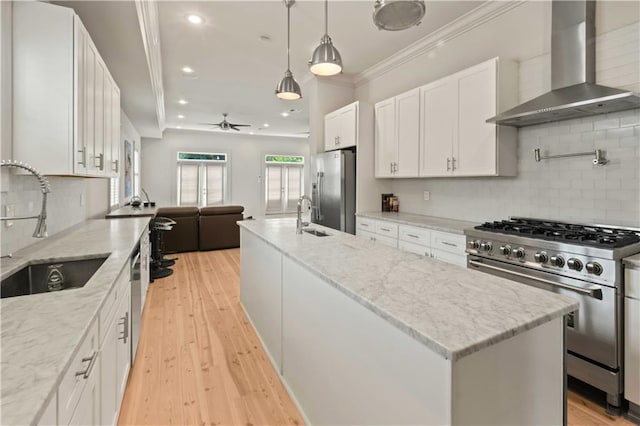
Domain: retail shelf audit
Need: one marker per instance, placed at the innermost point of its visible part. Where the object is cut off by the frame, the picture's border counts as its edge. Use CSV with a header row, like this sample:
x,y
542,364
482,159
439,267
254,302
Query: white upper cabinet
x,y
397,126
64,107
341,128
455,138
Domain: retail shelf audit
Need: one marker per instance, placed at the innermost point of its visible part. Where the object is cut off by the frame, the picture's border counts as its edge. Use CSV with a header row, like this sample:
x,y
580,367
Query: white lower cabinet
x,y
632,339
87,411
443,246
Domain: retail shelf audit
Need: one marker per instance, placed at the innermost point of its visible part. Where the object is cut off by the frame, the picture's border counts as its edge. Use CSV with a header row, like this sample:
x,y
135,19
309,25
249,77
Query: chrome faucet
x,y
41,225
299,223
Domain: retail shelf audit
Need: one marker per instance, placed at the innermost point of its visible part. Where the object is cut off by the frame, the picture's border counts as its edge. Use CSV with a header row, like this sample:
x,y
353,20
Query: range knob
x,y
594,268
474,244
541,257
506,250
557,261
520,253
574,264
486,246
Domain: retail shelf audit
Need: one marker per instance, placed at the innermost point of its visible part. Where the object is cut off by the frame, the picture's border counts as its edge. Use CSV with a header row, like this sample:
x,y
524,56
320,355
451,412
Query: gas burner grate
x,y
551,231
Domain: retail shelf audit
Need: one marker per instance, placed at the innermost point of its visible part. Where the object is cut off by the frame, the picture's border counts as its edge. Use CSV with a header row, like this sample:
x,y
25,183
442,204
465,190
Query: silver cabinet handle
x,y
391,168
412,236
91,360
446,243
124,334
364,225
453,163
335,140
84,156
385,229
448,163
100,160
395,167
114,166
593,291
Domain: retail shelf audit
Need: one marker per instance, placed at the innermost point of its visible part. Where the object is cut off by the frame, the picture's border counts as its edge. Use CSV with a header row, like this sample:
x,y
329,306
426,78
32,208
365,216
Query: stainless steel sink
x,y
50,276
316,232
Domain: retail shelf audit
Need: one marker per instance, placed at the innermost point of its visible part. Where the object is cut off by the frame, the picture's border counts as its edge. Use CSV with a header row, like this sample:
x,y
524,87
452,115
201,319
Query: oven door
x,y
591,331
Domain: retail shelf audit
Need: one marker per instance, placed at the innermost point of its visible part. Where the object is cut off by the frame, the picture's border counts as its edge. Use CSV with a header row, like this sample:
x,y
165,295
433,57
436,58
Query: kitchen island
x,y
366,334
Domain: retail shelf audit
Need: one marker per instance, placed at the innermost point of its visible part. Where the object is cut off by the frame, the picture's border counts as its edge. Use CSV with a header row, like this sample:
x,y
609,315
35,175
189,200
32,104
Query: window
x,y
202,179
114,192
283,183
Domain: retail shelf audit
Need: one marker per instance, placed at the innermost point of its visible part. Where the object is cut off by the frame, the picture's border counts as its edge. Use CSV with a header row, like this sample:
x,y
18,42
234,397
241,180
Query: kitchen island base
x,y
345,364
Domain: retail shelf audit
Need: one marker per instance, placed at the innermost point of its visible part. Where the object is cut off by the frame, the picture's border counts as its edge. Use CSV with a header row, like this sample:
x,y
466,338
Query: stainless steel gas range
x,y
580,261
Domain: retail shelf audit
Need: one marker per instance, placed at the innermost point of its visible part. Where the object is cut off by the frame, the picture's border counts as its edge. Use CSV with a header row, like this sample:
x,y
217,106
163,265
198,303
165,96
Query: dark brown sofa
x,y
184,236
218,227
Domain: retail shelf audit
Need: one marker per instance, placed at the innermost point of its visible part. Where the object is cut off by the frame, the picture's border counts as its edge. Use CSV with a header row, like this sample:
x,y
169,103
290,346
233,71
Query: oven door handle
x,y
593,292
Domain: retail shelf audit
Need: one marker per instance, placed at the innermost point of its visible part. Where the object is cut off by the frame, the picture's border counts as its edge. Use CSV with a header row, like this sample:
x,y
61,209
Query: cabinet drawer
x,y
366,224
109,308
452,243
413,248
445,256
388,241
387,229
632,283
415,235
74,380
365,234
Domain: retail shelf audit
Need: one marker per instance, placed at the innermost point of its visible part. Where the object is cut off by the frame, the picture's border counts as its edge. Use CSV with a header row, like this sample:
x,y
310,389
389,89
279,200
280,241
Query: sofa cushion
x,y
217,210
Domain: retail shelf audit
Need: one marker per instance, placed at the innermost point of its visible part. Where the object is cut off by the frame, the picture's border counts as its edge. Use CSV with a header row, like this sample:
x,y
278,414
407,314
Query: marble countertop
x,y
633,261
436,223
41,332
452,310
128,211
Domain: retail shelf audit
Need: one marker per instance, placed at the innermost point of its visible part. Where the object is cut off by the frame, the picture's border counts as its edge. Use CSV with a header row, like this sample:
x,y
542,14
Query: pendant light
x,y
398,15
288,88
326,59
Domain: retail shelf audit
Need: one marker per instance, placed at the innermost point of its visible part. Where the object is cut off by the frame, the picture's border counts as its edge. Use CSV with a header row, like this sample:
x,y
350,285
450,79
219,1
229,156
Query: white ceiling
x,y
235,71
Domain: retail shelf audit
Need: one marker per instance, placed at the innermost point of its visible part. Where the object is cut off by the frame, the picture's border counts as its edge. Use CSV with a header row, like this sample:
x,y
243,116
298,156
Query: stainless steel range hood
x,y
574,93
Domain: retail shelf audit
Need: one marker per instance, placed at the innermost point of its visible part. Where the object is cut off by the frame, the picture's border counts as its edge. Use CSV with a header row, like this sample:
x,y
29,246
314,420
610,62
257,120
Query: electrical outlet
x,y
9,211
427,196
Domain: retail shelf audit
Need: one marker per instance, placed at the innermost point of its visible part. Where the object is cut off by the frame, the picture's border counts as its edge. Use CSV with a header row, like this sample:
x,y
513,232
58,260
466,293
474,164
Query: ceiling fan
x,y
225,125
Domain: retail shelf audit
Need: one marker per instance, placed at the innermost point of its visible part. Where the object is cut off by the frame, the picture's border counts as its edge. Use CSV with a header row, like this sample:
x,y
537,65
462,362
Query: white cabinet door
x,y
475,153
632,350
388,241
331,131
348,133
438,108
115,165
98,131
80,76
90,63
413,248
365,234
407,125
385,138
108,362
88,409
107,93
123,344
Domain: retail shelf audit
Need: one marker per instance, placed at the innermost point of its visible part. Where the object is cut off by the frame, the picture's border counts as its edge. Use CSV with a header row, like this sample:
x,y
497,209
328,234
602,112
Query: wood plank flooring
x,y
199,360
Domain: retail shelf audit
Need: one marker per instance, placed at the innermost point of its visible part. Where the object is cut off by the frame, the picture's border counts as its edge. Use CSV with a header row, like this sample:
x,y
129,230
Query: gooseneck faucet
x,y
299,223
41,225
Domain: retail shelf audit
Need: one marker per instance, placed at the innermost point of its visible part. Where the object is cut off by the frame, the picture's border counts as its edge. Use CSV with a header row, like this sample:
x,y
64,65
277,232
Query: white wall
x,y
570,189
246,153
127,133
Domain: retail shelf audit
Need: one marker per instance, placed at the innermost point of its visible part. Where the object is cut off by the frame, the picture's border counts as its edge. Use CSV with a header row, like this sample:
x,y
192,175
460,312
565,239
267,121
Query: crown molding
x,y
150,30
189,128
463,24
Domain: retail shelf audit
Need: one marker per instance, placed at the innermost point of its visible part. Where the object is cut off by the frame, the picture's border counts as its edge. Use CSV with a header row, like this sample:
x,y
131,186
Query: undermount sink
x,y
50,276
316,232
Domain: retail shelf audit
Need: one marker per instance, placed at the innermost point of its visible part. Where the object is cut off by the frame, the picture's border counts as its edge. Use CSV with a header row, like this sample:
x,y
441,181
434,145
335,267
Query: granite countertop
x,y
452,310
633,261
436,223
41,332
128,211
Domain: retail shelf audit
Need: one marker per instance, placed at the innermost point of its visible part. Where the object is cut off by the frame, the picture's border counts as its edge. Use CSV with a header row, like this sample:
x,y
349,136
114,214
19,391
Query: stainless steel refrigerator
x,y
333,190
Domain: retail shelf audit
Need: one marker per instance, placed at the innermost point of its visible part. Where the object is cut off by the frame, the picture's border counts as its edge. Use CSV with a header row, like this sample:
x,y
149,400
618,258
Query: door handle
x,y
453,163
124,334
114,166
87,372
390,168
100,160
320,178
84,156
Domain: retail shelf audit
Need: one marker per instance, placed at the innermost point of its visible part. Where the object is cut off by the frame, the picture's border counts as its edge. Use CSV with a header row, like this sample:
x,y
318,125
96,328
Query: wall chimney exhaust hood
x,y
574,92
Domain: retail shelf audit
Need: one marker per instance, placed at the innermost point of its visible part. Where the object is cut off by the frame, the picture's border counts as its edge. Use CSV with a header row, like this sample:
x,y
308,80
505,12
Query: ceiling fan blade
x,y
241,125
235,128
209,124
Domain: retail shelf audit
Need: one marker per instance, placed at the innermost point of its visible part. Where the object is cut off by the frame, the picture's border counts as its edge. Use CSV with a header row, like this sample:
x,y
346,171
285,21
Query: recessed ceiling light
x,y
181,116
195,19
187,70
182,102
251,133
178,127
284,114
265,125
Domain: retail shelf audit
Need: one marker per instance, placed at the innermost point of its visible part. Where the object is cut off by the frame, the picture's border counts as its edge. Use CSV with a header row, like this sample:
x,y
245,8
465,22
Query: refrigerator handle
x,y
319,191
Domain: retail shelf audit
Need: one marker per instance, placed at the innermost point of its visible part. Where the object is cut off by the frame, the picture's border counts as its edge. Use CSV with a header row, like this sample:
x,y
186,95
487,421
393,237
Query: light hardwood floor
x,y
199,360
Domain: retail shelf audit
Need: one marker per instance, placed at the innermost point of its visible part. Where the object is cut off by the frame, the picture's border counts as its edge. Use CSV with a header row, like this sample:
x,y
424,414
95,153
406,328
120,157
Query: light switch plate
x,y
427,196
